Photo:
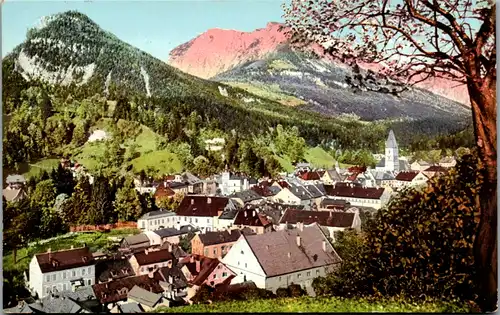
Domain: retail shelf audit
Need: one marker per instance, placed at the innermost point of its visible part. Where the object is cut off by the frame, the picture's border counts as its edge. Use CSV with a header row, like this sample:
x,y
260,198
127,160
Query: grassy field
x,y
320,305
163,162
95,240
272,92
90,155
38,167
319,158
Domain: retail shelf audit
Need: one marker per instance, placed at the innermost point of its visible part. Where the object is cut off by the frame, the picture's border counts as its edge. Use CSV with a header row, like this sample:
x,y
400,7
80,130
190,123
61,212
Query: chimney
x,y
324,246
245,214
298,240
209,200
253,213
267,246
289,254
192,201
197,266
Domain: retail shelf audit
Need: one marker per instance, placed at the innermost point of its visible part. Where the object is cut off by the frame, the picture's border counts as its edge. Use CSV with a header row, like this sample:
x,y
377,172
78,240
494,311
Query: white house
x,y
155,220
203,212
231,183
419,165
61,270
360,196
277,259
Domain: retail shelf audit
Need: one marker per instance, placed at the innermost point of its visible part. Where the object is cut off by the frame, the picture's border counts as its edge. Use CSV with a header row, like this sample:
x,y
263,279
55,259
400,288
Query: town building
x,y
215,244
149,261
278,259
203,212
409,179
155,220
62,270
357,195
250,218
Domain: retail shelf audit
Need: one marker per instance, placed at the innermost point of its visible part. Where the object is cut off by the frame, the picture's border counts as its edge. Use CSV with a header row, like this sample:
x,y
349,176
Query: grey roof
x,y
61,303
131,307
168,232
229,214
113,268
144,297
136,239
315,191
299,191
391,141
272,250
157,214
403,164
246,195
173,275
20,308
334,175
274,189
191,179
11,179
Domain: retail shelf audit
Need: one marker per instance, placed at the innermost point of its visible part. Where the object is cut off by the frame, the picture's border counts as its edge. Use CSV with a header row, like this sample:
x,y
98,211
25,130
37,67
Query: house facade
x,y
155,220
231,183
360,196
276,260
63,270
214,244
409,179
203,211
149,261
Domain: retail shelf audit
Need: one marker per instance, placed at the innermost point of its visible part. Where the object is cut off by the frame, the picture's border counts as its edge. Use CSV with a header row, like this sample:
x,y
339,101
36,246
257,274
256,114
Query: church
x,y
391,161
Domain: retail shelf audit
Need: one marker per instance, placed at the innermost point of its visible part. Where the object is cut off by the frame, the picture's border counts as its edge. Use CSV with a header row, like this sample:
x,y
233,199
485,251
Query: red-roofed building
x,y
250,218
358,195
435,170
409,178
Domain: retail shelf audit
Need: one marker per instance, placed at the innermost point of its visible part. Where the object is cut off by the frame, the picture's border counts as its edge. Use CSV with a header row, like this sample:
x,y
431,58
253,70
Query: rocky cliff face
x,y
216,51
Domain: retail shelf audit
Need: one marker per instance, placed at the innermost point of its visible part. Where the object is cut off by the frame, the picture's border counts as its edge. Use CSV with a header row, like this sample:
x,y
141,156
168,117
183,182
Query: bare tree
x,y
415,40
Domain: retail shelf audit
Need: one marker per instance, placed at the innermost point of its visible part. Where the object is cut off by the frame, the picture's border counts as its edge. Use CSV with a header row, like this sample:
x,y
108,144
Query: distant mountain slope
x,y
321,86
217,51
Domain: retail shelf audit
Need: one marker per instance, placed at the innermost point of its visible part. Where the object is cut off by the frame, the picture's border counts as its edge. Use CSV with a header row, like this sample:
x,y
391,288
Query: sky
x,y
153,26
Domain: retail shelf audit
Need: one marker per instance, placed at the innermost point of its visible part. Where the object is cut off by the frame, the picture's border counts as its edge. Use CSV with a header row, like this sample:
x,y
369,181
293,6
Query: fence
x,y
103,227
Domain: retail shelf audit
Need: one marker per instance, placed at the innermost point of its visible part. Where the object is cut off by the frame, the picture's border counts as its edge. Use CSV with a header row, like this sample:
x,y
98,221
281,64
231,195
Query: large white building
x,y
63,270
155,220
360,196
277,259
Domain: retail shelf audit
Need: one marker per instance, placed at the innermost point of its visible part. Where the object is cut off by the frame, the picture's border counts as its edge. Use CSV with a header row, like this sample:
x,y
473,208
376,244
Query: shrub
x,y
282,293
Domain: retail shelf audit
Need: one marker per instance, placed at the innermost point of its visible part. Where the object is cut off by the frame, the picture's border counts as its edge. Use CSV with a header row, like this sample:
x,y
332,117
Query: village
x,y
241,232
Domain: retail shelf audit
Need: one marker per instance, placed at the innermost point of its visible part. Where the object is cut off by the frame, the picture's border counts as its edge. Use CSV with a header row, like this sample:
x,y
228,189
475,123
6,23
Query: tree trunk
x,y
483,103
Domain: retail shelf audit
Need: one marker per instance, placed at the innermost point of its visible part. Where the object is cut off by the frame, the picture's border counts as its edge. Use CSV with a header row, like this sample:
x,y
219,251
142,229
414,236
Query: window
x,y
47,290
190,220
308,273
299,275
279,279
208,220
89,281
84,272
65,286
242,253
54,277
48,278
54,288
215,251
185,218
90,270
215,276
64,274
238,263
206,251
245,265
224,274
73,273
162,221
196,220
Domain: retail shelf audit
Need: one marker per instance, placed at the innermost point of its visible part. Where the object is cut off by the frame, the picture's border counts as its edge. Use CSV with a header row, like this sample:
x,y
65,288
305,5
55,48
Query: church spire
x,y
391,141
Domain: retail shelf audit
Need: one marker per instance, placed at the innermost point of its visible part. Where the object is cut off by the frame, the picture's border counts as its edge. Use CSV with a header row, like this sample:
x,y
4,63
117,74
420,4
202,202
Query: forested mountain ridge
x,y
71,53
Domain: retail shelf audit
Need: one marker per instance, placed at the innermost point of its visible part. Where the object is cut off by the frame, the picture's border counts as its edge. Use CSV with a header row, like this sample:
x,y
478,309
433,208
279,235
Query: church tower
x,y
391,153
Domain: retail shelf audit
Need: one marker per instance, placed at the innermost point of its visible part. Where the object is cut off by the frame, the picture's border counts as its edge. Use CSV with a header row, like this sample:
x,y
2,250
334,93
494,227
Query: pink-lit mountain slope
x,y
217,51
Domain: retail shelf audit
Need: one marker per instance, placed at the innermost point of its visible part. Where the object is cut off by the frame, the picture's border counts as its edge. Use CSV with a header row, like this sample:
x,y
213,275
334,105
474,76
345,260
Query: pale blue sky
x,y
153,26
